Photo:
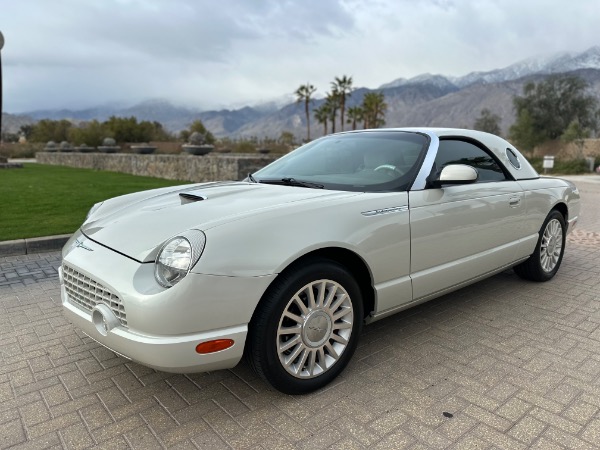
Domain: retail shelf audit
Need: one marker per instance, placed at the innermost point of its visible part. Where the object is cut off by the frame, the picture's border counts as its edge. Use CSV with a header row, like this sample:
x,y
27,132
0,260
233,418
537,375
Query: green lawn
x,y
42,200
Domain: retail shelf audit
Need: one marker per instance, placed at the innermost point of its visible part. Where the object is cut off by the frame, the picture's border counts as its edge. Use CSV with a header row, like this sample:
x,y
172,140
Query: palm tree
x,y
343,88
333,103
322,115
303,94
374,107
355,114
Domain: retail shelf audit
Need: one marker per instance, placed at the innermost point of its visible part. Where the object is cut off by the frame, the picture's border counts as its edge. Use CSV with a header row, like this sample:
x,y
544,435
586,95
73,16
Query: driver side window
x,y
461,152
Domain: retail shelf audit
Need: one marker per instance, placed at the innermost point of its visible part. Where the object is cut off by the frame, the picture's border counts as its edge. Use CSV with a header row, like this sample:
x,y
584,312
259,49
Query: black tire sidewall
x,y
264,332
543,275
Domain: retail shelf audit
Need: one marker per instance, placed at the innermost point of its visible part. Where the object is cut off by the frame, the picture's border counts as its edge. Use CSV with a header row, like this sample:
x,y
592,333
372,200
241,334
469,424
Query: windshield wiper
x,y
308,184
294,182
251,178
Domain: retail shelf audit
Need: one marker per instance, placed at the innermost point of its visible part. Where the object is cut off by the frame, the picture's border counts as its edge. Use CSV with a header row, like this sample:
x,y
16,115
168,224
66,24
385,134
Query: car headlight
x,y
93,209
177,256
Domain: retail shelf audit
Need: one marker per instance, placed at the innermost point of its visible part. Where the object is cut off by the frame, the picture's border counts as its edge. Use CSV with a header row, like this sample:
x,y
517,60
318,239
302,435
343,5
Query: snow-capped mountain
x,y
590,59
439,81
540,64
273,104
554,63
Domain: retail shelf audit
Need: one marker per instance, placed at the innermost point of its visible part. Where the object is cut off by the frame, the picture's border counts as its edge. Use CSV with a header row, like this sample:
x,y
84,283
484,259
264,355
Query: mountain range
x,y
555,63
424,100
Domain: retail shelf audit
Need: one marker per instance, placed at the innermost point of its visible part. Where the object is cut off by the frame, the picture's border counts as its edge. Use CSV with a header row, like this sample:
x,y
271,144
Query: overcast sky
x,y
222,53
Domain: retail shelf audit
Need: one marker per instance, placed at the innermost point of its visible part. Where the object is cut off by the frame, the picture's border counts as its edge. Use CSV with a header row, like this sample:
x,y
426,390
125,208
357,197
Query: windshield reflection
x,y
367,161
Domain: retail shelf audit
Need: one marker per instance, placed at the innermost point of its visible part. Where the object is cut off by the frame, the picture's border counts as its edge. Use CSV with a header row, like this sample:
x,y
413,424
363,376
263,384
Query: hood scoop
x,y
186,198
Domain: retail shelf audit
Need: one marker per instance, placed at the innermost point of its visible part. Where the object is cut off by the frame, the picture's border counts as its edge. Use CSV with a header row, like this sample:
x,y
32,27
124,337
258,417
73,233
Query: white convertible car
x,y
286,266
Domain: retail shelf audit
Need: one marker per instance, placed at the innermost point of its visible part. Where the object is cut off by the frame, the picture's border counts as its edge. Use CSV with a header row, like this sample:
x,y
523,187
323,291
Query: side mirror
x,y
456,174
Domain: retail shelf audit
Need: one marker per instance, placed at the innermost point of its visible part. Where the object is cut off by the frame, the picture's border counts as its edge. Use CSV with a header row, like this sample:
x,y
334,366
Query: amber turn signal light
x,y
214,346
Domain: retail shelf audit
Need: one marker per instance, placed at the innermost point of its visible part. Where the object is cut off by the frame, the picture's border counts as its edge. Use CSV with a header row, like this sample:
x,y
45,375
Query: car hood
x,y
137,228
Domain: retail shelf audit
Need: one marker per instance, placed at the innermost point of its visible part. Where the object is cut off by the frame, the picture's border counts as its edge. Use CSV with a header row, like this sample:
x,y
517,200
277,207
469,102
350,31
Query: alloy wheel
x,y
551,245
314,329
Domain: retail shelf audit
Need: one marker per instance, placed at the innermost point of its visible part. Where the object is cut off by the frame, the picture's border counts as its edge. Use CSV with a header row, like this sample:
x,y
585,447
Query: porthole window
x,y
513,158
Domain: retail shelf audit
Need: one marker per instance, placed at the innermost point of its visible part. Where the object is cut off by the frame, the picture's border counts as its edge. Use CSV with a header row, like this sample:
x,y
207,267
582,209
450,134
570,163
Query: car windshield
x,y
368,161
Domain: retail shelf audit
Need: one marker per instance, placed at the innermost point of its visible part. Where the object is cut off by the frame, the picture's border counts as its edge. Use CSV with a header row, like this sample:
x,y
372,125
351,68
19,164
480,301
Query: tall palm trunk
x,y
333,122
342,88
306,100
304,94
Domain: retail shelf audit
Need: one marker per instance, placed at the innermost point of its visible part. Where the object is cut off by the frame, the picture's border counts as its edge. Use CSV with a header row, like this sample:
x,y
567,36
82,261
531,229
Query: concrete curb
x,y
33,245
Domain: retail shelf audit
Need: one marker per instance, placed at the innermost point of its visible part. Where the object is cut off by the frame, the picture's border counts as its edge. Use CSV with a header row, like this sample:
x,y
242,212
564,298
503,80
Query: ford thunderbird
x,y
287,265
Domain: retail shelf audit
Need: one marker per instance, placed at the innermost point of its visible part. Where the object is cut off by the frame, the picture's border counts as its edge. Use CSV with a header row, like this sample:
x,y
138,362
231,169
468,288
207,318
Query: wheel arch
x,y
563,209
357,267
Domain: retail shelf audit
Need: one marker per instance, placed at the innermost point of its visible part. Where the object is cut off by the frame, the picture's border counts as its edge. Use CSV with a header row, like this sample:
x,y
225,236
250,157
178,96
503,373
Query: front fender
x,y
265,244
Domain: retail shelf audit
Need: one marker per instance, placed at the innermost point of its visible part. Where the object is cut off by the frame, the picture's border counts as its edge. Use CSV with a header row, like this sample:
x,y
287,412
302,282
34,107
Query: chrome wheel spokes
x,y
315,328
551,245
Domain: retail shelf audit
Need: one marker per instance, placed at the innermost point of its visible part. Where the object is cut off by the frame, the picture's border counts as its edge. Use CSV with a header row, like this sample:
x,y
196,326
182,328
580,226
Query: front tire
x,y
306,327
543,264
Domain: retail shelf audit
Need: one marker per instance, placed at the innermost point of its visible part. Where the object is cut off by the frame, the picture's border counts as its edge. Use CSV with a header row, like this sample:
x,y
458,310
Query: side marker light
x,y
214,346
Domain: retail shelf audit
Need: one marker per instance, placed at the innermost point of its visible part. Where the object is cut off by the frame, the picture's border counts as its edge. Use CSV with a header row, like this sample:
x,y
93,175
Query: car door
x,y
462,232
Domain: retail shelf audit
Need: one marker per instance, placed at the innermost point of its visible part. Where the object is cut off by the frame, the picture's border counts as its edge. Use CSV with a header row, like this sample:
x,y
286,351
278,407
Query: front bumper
x,y
162,326
167,353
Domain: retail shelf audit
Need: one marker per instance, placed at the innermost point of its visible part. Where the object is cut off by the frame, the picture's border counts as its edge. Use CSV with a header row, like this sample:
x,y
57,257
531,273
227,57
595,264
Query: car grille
x,y
86,293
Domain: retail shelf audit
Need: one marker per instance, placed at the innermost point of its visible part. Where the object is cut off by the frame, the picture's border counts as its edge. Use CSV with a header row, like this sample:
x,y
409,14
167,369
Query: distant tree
x,y
322,115
374,107
287,138
577,134
144,132
198,126
122,129
128,129
26,130
304,95
183,135
355,115
91,133
548,108
333,103
488,122
342,88
50,130
523,132
160,134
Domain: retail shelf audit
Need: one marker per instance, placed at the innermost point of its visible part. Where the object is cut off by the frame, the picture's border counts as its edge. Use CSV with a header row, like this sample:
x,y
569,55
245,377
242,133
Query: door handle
x,y
514,202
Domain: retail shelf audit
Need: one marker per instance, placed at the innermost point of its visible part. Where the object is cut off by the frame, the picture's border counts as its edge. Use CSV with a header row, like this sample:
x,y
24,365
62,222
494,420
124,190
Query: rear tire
x,y
306,327
543,264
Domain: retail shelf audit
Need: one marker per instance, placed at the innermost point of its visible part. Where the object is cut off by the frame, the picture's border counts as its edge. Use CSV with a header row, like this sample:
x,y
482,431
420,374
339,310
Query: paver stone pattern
x,y
504,363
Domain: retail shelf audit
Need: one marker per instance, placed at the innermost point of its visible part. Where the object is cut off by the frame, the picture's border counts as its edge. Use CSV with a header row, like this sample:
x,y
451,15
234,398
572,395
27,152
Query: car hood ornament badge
x,y
80,244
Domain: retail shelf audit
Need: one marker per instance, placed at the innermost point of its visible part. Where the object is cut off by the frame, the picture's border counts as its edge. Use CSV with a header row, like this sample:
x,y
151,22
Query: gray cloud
x,y
69,53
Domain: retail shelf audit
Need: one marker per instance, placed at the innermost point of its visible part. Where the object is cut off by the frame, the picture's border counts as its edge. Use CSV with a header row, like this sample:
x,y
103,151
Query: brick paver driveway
x,y
501,364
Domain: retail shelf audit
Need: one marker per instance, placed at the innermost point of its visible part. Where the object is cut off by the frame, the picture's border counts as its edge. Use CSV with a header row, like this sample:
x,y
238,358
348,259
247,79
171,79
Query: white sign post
x,y
548,163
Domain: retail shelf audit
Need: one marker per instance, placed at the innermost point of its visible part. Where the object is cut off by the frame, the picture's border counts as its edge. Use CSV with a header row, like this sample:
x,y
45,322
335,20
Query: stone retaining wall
x,y
211,167
561,150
